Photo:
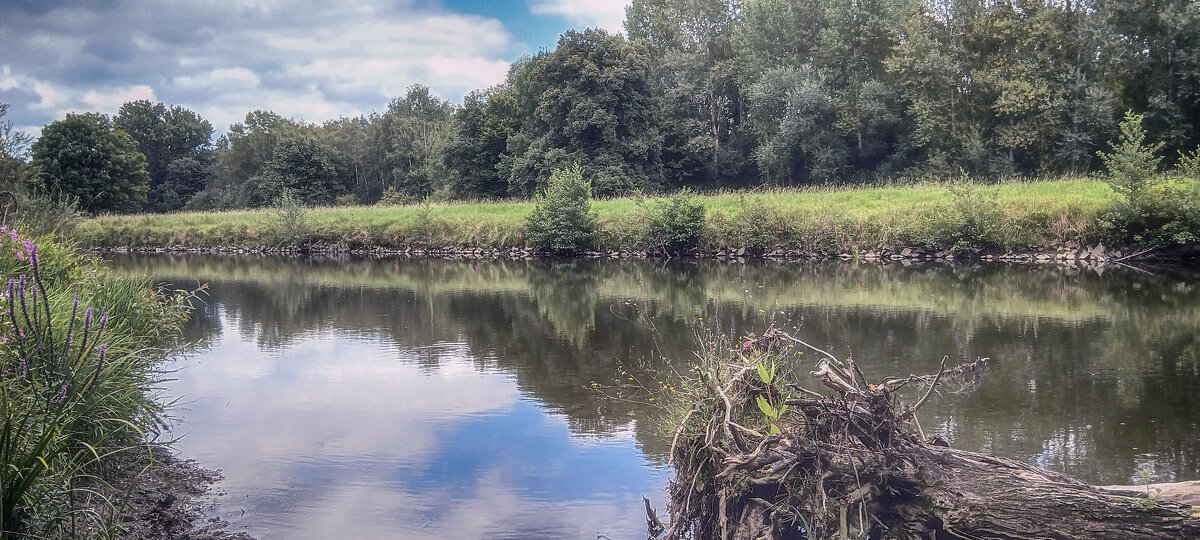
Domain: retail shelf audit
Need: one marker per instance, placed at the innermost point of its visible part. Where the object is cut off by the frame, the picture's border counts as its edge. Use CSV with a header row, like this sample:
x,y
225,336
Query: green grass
x,y
1018,214
79,351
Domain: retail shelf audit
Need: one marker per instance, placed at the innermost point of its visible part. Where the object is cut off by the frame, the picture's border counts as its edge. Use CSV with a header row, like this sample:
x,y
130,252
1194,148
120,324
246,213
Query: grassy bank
x,y
1012,215
79,352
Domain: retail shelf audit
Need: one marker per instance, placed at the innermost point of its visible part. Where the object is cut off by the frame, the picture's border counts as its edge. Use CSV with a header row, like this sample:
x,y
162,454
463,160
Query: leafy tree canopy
x,y
86,157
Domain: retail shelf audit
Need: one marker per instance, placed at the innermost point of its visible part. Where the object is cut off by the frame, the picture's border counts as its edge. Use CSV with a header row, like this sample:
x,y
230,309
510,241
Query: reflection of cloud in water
x,y
353,437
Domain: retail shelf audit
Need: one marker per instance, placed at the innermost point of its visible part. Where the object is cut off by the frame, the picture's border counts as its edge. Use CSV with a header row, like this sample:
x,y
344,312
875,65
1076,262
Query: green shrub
x,y
1154,208
562,220
1189,164
674,225
290,217
976,212
345,199
394,197
759,226
1132,166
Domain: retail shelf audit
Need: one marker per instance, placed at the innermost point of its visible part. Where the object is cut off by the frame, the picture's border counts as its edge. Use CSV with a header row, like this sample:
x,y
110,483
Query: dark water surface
x,y
353,398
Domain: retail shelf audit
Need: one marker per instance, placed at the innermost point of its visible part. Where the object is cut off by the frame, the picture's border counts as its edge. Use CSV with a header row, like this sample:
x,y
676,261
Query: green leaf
x,y
773,430
766,407
766,376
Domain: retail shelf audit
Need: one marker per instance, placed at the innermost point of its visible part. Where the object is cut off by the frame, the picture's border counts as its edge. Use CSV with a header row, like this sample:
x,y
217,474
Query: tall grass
x,y
1006,215
77,355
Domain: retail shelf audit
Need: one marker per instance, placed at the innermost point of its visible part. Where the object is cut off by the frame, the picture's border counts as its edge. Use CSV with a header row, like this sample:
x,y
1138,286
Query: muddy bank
x,y
158,495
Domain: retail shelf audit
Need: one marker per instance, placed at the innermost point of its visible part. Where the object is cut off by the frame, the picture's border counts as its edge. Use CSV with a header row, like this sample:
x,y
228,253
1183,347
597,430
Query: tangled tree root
x,y
848,465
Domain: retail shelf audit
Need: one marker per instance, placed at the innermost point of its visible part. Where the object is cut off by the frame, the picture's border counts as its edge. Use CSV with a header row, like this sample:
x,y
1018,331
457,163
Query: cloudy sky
x,y
307,59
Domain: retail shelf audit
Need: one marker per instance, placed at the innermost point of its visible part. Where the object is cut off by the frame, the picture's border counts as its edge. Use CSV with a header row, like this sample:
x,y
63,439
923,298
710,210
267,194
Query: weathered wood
x,y
848,466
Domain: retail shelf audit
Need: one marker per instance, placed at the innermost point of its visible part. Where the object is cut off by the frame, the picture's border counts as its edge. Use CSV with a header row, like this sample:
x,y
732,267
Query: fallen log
x,y
760,457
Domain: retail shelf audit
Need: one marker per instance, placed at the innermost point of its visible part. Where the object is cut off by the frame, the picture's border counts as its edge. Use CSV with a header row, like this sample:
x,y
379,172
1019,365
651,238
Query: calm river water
x,y
355,398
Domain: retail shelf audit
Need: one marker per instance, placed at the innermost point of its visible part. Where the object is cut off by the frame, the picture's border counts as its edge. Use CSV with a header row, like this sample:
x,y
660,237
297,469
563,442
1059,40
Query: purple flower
x,y
103,320
21,369
76,302
15,236
103,350
62,394
87,320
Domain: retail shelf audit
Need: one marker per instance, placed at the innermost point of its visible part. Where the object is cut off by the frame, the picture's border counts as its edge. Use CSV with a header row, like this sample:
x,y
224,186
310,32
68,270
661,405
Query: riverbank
x,y
1021,221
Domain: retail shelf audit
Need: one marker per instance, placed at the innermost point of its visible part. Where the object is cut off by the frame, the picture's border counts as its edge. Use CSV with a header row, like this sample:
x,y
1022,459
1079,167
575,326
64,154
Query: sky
x,y
312,60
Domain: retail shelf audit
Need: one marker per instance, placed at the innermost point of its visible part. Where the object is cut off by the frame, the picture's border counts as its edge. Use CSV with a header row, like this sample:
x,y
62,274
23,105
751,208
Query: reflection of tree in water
x,y
1092,374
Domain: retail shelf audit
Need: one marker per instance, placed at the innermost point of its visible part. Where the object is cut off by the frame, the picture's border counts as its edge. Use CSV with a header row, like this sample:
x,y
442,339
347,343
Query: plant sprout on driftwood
x,y
759,456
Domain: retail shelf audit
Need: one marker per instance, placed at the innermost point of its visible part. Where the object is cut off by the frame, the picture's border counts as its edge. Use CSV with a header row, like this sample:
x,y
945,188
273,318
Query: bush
x,y
394,197
290,217
976,212
1132,165
1189,164
674,225
1154,208
562,220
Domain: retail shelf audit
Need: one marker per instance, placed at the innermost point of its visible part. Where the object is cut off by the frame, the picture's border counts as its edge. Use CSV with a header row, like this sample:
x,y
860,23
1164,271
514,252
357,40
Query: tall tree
x,y
409,140
242,155
856,39
86,157
596,110
481,130
166,135
1154,65
695,81
307,168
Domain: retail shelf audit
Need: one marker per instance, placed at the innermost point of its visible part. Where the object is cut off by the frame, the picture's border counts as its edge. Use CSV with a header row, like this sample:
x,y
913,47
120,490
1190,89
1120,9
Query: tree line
x,y
702,94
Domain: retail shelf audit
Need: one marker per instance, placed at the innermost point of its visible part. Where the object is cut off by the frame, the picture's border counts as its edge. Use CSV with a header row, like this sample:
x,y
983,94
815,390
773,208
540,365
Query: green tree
x,y
1153,64
166,135
696,86
481,130
856,39
795,128
306,168
1132,164
562,220
594,107
86,157
241,156
410,140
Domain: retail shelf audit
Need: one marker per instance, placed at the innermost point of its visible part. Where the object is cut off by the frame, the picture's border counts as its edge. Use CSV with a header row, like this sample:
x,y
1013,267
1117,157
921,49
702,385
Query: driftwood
x,y
848,465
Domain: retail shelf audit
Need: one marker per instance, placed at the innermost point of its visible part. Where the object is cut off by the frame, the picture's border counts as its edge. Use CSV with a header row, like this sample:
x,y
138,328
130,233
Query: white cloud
x,y
109,99
305,59
606,14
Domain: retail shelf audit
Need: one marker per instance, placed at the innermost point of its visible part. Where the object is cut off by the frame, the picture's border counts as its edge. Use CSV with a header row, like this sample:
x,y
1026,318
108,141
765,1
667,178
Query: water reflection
x,y
437,398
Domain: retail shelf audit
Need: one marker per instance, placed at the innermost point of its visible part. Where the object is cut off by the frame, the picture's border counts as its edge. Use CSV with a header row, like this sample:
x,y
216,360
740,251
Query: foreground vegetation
x,y
78,351
759,455
1010,215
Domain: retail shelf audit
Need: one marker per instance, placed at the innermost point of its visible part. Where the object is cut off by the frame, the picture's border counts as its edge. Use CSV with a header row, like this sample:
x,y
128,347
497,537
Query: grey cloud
x,y
350,56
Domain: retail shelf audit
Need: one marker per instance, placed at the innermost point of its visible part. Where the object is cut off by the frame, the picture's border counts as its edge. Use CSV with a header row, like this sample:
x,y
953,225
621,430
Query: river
x,y
391,398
